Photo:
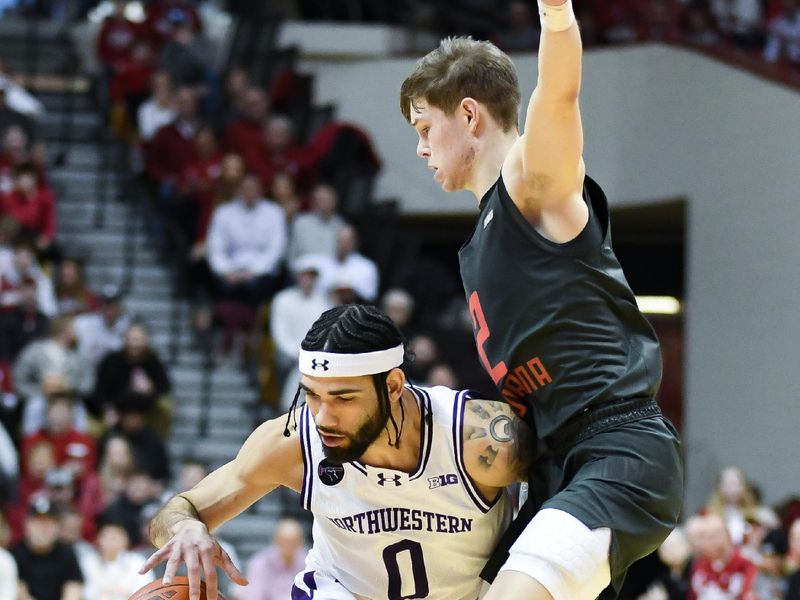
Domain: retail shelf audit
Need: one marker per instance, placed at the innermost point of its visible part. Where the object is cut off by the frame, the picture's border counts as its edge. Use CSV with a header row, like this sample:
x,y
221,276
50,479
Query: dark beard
x,y
359,441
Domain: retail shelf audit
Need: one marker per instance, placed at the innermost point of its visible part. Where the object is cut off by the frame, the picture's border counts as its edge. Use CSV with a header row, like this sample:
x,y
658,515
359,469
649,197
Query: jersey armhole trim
x,y
458,444
308,463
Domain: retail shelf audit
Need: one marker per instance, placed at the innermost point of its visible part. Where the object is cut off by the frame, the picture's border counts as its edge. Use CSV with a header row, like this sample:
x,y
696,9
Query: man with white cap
x,y
407,485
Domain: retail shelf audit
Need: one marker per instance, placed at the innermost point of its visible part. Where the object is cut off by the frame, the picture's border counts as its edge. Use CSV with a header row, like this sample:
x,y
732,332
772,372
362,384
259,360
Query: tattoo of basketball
x,y
502,429
488,457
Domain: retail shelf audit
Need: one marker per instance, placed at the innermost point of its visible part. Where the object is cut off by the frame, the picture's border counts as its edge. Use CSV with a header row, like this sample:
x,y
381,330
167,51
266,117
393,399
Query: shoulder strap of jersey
x,y
308,459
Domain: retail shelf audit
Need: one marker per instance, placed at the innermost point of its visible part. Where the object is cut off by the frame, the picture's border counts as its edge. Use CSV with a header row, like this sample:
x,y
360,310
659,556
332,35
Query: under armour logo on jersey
x,y
394,480
488,219
320,364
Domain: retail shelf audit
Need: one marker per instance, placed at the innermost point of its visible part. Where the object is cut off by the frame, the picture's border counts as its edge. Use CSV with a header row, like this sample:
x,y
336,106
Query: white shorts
x,y
570,560
312,584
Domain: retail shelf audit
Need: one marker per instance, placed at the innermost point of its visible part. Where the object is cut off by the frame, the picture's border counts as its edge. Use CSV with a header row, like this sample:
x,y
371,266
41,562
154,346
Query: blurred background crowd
x,y
255,200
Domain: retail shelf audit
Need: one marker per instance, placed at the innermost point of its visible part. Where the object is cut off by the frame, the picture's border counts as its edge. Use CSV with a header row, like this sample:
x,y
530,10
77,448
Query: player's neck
x,y
405,455
492,151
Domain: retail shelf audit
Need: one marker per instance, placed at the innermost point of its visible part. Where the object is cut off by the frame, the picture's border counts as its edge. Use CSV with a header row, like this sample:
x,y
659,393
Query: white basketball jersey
x,y
386,534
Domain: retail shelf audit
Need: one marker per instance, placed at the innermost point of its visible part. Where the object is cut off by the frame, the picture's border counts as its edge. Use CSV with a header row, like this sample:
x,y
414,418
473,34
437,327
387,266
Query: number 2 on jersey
x,y
482,334
390,559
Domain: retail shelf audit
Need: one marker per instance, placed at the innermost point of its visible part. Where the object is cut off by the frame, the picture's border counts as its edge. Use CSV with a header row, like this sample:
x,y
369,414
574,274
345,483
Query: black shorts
x,y
623,471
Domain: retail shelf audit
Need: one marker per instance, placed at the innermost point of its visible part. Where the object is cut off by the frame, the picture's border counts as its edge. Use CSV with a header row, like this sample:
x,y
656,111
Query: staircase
x,y
100,219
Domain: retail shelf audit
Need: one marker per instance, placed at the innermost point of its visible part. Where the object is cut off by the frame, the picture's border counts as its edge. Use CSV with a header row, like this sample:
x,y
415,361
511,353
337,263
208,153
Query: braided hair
x,y
355,329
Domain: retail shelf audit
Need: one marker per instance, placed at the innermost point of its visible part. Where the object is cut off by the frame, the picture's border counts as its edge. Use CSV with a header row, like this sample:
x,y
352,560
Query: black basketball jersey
x,y
556,325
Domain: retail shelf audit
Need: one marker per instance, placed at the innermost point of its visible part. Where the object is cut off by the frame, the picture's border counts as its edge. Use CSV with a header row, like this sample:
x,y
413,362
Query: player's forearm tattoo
x,y
176,510
503,432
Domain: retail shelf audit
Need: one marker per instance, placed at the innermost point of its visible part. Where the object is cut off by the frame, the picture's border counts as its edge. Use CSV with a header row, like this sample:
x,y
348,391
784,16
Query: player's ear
x,y
469,110
395,383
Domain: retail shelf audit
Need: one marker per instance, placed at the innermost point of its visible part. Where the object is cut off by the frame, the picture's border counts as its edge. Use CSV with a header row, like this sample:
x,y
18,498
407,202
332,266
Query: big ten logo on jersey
x,y
442,480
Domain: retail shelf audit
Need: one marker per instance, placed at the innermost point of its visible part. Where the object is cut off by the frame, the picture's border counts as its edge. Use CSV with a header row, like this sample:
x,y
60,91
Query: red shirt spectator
x,y
162,16
721,572
133,74
199,179
173,148
117,36
14,153
282,154
245,135
32,204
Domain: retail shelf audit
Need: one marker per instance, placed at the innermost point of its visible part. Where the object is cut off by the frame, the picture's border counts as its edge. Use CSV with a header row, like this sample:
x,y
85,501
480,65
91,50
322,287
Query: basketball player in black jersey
x,y
556,324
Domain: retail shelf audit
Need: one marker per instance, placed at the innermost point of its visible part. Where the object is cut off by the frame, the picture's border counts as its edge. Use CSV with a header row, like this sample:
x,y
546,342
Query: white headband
x,y
330,364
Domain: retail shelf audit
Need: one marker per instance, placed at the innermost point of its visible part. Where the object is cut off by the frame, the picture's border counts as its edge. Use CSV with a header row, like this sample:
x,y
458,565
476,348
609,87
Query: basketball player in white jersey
x,y
407,485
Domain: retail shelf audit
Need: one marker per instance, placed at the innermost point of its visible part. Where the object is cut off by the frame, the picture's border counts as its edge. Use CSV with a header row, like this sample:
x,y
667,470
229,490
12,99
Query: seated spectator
x,y
734,501
112,572
740,21
398,305
9,581
148,448
783,41
771,583
116,37
48,568
74,450
39,459
129,508
134,369
660,20
281,152
159,109
162,15
198,182
271,571
73,296
186,56
15,151
23,323
721,571
284,192
19,265
442,374
66,493
698,24
101,332
172,148
233,102
245,135
672,578
521,31
315,232
55,355
246,245
130,87
71,525
116,465
425,354
292,313
34,414
350,267
32,204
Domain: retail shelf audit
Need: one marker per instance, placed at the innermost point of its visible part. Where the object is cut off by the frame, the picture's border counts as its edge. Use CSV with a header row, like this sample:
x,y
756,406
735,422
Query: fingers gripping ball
x,y
177,590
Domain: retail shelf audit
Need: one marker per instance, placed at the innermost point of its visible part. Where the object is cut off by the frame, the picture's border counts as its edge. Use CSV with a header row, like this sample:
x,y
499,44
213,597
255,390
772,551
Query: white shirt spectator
x,y
19,99
292,314
784,37
247,238
737,16
45,357
9,462
152,117
114,580
312,234
8,576
355,271
96,338
45,293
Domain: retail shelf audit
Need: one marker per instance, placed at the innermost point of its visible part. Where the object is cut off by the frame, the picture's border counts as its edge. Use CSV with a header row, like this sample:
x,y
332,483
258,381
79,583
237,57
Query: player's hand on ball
x,y
194,545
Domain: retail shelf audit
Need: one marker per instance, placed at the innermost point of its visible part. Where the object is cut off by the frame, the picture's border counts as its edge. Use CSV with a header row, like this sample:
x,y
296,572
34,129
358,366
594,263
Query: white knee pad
x,y
570,560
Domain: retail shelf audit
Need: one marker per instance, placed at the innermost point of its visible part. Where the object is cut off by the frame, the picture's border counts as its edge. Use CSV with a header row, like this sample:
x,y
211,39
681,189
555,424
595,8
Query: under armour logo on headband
x,y
320,364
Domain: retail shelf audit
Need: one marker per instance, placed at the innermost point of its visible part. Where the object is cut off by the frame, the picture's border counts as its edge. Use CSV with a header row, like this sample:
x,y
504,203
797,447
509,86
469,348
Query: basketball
x,y
177,590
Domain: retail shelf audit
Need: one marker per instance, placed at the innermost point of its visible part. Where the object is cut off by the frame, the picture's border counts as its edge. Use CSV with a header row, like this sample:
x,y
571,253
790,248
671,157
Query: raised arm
x,y
181,528
498,446
549,153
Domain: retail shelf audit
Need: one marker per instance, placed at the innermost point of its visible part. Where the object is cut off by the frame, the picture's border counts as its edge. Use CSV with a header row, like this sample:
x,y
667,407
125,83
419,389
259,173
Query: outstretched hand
x,y
195,546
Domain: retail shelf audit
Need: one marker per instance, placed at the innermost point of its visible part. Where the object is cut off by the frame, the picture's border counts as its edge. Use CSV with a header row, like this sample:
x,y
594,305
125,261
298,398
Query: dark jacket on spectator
x,y
171,151
116,371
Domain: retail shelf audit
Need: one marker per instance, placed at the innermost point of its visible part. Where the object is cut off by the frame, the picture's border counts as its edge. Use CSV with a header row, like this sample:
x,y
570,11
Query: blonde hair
x,y
748,504
462,67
